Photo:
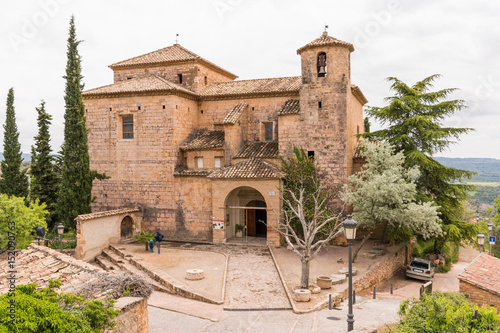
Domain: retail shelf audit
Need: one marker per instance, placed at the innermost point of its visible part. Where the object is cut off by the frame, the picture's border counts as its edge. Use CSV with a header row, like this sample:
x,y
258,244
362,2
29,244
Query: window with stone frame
x,y
268,132
321,65
127,127
217,162
199,162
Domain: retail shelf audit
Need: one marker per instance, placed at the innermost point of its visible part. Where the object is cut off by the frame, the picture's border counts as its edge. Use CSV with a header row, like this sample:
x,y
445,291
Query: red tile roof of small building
x,y
149,84
107,213
258,150
167,55
235,113
483,272
248,169
324,40
270,86
203,139
292,106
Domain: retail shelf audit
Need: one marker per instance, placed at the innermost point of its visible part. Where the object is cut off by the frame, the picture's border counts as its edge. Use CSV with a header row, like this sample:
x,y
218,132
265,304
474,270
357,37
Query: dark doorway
x,y
256,219
127,227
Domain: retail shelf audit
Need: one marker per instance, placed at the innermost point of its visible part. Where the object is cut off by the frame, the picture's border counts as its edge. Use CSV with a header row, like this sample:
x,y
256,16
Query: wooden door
x,y
251,227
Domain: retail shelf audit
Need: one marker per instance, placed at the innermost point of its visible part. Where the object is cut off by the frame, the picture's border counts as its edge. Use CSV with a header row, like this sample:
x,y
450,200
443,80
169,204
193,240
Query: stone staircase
x,y
113,260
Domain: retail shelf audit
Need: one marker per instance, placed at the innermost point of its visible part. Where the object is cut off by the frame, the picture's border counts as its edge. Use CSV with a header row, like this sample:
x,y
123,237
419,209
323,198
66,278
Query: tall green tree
x,y
44,180
14,180
414,119
76,183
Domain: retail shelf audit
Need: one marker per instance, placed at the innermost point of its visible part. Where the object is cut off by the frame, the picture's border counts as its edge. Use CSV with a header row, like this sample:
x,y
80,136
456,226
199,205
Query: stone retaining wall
x,y
133,316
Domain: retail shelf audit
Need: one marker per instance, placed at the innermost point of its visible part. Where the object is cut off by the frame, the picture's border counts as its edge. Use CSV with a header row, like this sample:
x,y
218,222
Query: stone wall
x,y
133,316
94,232
478,295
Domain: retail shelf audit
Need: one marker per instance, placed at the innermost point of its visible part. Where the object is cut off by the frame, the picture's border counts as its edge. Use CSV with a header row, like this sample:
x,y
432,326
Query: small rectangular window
x,y
268,132
319,105
128,127
206,80
180,78
199,162
217,162
310,153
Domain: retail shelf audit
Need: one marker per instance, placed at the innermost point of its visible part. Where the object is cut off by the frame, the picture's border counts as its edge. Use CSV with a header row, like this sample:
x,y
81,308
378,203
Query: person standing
x,y
151,245
158,239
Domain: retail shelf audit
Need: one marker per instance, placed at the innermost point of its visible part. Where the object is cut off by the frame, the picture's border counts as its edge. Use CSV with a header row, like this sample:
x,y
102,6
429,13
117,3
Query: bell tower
x,y
324,103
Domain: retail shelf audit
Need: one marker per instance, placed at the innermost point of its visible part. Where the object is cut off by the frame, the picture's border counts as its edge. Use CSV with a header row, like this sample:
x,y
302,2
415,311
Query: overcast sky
x,y
257,39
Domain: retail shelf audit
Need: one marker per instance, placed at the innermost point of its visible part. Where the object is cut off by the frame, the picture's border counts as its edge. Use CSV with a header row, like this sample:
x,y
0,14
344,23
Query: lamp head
x,y
350,228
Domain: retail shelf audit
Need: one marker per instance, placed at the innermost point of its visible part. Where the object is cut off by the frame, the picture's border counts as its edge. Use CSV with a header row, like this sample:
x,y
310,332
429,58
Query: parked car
x,y
421,269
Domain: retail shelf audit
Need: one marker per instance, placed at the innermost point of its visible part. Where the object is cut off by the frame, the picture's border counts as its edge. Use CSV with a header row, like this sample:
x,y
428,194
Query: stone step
x,y
106,264
155,284
113,257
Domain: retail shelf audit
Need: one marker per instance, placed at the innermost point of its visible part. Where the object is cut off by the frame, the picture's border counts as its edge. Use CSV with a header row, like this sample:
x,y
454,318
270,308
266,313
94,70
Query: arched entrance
x,y
127,228
256,219
246,206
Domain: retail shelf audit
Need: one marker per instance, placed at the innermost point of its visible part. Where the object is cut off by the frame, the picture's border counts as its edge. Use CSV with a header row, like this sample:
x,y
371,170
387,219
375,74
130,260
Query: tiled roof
x,y
248,169
183,172
279,85
170,54
107,213
326,40
149,84
38,264
204,139
259,150
482,272
235,113
292,106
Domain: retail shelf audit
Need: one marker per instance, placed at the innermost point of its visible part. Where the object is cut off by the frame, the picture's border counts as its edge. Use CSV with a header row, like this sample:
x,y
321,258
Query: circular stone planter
x,y
324,282
302,295
345,270
338,278
194,274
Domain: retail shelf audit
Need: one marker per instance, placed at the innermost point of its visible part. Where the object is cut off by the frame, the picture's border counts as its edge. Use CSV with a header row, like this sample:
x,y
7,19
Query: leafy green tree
x,y
18,220
45,310
383,194
44,180
496,217
366,124
14,180
76,184
445,312
414,117
311,209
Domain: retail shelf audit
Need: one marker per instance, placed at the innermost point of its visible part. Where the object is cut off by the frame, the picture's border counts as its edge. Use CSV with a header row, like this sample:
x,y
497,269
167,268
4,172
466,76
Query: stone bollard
x,y
302,295
194,274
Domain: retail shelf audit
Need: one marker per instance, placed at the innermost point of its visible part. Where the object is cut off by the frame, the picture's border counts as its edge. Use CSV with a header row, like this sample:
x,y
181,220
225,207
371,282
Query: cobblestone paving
x,y
252,280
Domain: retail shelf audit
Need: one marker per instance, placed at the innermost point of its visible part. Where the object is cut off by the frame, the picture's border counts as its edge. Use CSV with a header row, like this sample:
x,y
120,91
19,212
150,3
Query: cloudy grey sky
x,y
255,39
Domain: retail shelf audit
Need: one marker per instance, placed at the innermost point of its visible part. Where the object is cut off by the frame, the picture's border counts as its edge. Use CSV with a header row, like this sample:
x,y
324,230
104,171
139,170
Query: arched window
x,y
322,64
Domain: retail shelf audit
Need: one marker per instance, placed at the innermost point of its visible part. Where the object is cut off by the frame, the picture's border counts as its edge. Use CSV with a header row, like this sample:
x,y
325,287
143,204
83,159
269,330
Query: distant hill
x,y
488,168
26,157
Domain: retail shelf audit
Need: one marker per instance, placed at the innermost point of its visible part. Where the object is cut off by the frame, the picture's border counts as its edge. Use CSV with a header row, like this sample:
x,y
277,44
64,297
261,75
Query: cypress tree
x,y
44,180
14,180
76,183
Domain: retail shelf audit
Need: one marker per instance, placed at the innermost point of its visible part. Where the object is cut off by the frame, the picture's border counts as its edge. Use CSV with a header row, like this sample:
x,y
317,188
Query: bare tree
x,y
312,210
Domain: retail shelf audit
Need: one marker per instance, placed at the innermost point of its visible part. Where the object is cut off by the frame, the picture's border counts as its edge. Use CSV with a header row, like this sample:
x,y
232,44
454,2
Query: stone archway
x,y
127,228
245,206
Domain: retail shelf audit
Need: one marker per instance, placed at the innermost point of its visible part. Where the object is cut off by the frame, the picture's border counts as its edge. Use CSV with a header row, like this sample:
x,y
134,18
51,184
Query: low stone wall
x,y
478,295
133,316
96,231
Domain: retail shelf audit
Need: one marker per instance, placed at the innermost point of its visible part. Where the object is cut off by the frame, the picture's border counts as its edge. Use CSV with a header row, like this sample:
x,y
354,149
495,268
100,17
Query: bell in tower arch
x,y
321,64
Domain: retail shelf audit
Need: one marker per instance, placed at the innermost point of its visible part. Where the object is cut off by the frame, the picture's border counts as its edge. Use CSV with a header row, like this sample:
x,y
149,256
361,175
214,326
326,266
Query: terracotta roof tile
x,y
235,113
323,40
204,139
248,169
183,172
107,213
152,83
289,85
258,150
292,106
170,54
38,264
483,273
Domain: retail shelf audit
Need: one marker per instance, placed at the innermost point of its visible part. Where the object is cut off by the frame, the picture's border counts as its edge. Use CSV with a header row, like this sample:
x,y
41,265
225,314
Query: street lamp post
x,y
480,241
490,228
60,231
350,234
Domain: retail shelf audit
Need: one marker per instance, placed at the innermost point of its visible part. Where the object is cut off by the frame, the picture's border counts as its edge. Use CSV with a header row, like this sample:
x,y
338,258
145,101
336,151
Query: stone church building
x,y
198,151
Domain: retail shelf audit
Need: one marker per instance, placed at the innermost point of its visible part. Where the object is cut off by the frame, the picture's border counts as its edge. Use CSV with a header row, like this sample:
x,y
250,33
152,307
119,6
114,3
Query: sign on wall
x,y
218,224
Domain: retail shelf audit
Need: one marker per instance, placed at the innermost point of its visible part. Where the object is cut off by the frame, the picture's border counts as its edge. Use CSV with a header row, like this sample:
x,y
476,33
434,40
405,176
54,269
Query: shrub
x,y
445,312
